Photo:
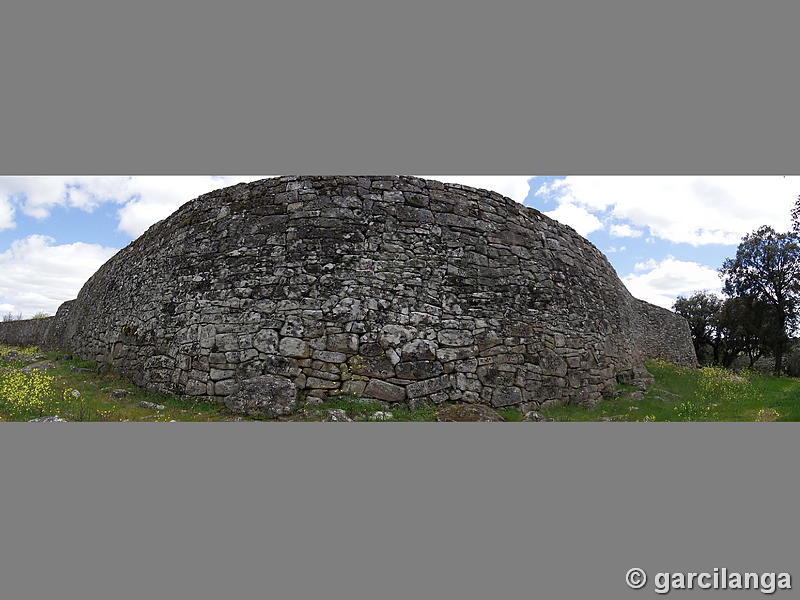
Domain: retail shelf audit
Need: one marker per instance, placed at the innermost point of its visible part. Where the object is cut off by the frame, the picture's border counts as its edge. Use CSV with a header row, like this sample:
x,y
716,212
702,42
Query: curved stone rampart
x,y
395,288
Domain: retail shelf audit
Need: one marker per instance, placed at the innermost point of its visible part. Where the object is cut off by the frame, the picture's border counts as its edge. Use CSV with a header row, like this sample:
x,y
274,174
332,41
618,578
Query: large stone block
x,y
419,369
268,396
383,390
294,348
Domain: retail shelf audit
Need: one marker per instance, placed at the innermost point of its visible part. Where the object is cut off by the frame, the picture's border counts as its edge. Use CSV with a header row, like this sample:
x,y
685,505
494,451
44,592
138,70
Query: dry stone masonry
x,y
399,289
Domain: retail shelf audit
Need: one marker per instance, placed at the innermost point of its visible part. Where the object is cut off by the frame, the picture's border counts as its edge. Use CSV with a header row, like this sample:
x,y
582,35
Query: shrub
x,y
720,385
694,410
717,386
767,414
27,395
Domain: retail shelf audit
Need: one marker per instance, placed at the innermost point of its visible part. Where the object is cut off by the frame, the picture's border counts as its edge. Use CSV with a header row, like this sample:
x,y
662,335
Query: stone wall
x,y
26,332
394,288
658,333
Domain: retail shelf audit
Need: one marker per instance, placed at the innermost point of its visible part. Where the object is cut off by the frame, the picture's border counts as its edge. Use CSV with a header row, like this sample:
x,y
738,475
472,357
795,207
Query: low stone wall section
x,y
27,332
660,333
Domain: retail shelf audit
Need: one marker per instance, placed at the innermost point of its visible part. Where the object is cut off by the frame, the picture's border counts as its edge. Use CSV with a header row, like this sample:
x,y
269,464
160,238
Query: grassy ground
x,y
75,390
24,396
686,394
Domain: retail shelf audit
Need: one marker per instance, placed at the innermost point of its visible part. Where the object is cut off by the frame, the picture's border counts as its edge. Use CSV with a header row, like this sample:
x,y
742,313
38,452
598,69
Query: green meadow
x,y
34,384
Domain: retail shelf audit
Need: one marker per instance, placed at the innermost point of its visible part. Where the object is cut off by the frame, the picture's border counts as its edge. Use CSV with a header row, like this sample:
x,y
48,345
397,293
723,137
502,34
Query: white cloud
x,y
514,187
155,198
34,194
624,231
6,214
37,275
662,282
647,265
144,199
694,210
577,217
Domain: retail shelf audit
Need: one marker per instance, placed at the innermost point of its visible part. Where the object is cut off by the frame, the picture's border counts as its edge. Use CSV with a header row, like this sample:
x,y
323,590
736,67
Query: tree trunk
x,y
781,334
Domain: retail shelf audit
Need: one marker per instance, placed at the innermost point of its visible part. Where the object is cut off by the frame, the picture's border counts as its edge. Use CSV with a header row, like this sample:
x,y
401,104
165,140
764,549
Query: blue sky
x,y
665,236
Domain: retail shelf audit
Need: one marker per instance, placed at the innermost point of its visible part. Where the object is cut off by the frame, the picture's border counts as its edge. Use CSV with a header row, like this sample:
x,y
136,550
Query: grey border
x,y
610,87
255,510
382,510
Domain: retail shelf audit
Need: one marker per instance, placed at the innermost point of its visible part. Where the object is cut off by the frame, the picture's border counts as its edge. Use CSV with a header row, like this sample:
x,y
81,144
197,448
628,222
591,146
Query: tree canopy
x,y
767,268
700,309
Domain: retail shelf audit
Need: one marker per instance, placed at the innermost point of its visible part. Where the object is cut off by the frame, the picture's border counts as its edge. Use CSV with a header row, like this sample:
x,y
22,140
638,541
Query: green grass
x,y
95,402
361,410
686,394
677,394
422,413
511,414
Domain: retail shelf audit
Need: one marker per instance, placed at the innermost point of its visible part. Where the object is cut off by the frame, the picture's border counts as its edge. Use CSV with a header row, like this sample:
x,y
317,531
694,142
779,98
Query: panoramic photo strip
x,y
399,298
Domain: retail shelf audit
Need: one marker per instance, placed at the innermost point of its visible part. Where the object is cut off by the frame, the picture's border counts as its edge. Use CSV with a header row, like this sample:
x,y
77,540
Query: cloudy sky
x,y
665,236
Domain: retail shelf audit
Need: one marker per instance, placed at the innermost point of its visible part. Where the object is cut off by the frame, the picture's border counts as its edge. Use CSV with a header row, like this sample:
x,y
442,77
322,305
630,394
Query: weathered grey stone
x,y
328,356
392,355
465,383
428,386
419,369
227,341
267,396
343,342
195,387
294,348
466,366
532,415
226,387
552,363
356,388
220,374
455,337
506,396
280,365
266,341
293,327
337,415
396,335
151,405
419,350
372,366
451,354
383,390
491,376
467,412
42,365
382,415
49,419
320,383
220,358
